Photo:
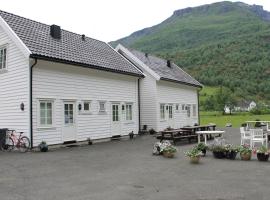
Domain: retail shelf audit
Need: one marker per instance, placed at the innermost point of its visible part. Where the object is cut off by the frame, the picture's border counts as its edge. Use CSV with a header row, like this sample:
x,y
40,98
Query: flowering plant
x,y
262,150
231,147
194,152
245,149
169,149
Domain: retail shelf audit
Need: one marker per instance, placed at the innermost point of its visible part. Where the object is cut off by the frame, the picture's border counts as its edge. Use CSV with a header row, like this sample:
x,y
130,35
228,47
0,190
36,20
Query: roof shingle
x,y
71,47
159,66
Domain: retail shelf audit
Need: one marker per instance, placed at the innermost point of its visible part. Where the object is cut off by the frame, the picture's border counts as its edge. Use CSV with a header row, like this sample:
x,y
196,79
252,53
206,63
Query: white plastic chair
x,y
245,136
257,136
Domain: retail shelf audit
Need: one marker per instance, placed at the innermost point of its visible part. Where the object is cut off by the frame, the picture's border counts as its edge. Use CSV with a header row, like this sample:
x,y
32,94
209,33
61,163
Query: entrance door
x,y
116,121
170,116
69,127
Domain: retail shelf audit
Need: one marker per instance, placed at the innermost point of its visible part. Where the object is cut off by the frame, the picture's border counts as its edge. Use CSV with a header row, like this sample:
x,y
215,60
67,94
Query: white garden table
x,y
205,133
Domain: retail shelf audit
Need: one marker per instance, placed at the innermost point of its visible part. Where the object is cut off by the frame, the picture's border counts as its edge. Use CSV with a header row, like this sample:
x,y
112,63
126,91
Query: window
x,y
170,111
115,113
3,58
102,107
183,107
46,112
188,107
162,111
69,113
129,112
86,106
177,107
194,109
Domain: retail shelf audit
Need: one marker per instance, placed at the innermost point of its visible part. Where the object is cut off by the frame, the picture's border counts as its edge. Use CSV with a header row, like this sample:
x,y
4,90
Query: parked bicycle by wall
x,y
13,140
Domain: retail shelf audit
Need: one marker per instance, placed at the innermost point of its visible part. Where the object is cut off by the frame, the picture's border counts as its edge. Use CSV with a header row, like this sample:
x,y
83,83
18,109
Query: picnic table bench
x,y
176,135
188,133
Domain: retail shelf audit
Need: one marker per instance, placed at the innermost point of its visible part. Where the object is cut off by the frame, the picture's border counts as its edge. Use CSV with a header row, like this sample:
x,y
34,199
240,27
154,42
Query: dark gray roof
x,y
89,53
159,65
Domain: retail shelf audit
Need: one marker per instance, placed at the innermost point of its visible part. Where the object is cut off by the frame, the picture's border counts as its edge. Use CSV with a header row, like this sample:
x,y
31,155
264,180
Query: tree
x,y
225,97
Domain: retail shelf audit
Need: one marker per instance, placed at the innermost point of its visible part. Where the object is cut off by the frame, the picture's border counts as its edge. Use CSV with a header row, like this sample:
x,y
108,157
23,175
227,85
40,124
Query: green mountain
x,y
223,43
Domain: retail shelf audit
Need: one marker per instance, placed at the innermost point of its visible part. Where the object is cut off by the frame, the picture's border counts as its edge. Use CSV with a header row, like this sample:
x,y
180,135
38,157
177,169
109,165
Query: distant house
x,y
242,106
168,95
59,86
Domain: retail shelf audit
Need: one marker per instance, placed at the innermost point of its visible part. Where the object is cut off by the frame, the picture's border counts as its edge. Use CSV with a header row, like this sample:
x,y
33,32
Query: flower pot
x,y
262,157
231,155
43,147
168,154
246,156
195,160
219,154
203,152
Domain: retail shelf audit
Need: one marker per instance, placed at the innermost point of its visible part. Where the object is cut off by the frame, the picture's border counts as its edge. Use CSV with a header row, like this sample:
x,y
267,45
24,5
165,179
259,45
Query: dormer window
x,y
3,58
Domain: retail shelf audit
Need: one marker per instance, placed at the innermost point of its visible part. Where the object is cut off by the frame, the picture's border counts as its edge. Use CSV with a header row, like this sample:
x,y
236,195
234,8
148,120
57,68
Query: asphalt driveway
x,y
126,170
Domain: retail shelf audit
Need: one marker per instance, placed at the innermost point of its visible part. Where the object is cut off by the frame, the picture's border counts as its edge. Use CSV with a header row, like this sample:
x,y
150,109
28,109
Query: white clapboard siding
x,y
148,104
14,88
174,93
65,82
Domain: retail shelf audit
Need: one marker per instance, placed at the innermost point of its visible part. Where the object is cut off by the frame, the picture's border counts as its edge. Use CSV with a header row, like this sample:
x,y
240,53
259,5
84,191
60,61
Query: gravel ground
x,y
126,170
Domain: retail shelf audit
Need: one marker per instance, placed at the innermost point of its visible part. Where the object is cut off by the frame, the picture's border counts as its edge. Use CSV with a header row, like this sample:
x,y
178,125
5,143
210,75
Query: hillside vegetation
x,y
220,44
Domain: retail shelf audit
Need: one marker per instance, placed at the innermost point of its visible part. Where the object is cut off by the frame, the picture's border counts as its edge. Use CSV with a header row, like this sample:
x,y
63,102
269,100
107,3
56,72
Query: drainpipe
x,y
31,102
139,105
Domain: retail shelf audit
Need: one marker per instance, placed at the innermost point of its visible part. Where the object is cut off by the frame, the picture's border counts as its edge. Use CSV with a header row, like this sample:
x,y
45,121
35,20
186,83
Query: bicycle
x,y
11,141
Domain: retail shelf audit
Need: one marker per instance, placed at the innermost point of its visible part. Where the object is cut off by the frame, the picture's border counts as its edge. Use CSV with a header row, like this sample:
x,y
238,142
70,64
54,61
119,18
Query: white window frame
x,y
170,106
4,47
83,111
99,107
129,116
39,113
162,111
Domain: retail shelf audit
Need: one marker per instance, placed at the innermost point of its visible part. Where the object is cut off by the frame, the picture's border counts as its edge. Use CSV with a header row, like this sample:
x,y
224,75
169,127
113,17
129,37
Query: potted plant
x,y
194,155
169,151
231,151
202,147
218,151
262,153
245,152
152,131
43,147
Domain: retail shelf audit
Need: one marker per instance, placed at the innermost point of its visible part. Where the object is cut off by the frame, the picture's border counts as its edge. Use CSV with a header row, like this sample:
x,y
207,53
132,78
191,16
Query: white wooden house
x,y
59,86
168,95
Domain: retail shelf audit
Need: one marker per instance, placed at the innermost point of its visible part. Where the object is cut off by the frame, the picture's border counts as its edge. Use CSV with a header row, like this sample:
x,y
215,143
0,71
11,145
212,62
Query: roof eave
x,y
181,82
47,58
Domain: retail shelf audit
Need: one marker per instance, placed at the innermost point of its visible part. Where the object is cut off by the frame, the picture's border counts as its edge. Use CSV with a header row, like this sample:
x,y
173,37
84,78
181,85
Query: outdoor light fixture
x,y
123,107
80,106
22,106
167,107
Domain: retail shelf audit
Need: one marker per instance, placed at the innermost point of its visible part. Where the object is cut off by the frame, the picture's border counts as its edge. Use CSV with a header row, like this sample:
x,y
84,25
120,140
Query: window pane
x,y
86,106
42,121
4,58
42,106
49,106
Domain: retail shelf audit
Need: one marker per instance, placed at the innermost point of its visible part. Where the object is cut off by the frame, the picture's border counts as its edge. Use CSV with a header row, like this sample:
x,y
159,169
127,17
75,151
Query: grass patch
x,y
236,119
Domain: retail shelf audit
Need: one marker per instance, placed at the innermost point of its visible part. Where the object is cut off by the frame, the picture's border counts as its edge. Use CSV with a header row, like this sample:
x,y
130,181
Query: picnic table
x,y
176,135
205,133
193,129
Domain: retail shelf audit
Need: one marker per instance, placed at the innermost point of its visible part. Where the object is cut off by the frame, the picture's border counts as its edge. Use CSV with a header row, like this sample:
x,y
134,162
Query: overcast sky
x,y
105,20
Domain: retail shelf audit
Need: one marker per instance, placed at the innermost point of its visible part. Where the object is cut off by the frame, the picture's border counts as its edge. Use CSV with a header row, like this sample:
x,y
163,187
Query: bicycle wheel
x,y
24,144
8,144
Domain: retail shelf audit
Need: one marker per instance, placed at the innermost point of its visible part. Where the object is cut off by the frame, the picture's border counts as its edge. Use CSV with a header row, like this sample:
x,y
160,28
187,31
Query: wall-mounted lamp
x,y
167,107
123,107
80,106
22,106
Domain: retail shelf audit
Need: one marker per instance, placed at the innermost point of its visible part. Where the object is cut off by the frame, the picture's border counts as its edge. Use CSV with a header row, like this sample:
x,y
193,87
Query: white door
x,y
116,120
69,126
170,116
